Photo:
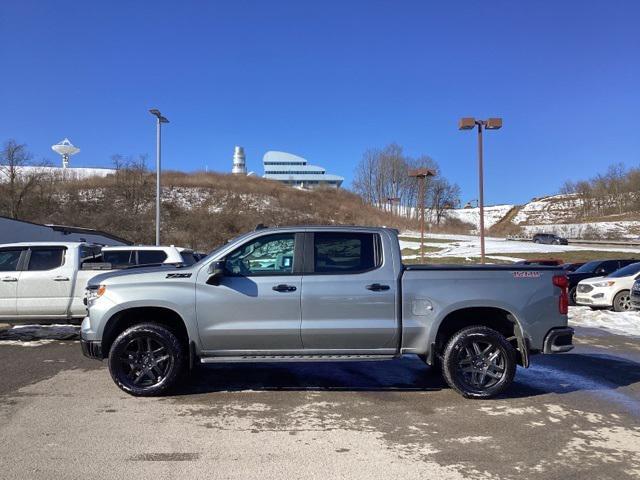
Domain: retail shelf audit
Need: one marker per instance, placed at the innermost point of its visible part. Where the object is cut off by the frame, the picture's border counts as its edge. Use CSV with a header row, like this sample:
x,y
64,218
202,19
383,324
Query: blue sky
x,y
327,80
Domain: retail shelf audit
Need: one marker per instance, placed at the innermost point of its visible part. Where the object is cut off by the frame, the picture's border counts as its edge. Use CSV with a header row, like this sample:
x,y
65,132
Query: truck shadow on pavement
x,y
407,374
572,372
558,374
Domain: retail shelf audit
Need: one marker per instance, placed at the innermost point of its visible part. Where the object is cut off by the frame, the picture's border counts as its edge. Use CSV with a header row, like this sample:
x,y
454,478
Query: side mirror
x,y
216,272
601,270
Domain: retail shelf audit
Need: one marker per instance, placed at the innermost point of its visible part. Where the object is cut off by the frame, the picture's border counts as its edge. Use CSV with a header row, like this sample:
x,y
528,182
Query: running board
x,y
295,358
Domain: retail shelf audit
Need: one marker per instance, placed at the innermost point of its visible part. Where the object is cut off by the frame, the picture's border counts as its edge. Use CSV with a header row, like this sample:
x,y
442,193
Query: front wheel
x,y
479,362
146,360
572,296
622,301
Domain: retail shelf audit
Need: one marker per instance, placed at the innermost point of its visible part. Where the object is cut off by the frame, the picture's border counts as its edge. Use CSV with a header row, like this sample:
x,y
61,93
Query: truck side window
x,y
9,260
268,255
337,252
151,256
46,258
122,258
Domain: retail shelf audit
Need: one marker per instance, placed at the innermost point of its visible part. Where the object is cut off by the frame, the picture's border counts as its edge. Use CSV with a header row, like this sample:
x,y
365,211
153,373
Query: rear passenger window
x,y
45,259
119,257
336,252
9,260
151,256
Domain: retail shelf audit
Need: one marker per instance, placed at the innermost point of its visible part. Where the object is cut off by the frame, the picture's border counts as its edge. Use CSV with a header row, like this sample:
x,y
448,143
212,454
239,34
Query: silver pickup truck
x,y
324,293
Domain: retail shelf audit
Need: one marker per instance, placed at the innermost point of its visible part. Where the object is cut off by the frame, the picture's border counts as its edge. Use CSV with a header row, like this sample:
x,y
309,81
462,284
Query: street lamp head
x,y
466,123
493,124
422,173
156,113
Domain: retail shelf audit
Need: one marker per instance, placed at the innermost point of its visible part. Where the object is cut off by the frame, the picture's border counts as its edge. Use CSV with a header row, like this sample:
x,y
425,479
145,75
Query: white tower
x,y
66,149
239,166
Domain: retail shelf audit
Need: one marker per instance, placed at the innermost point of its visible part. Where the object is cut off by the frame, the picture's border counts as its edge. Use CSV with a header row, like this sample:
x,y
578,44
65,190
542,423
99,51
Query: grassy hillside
x,y
200,210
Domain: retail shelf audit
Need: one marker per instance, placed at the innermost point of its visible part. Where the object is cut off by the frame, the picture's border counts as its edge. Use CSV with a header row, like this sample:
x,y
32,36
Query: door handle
x,y
9,279
377,287
60,279
284,288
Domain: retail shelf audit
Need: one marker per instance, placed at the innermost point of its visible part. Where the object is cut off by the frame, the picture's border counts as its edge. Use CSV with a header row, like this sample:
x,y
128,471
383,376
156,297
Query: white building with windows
x,y
295,171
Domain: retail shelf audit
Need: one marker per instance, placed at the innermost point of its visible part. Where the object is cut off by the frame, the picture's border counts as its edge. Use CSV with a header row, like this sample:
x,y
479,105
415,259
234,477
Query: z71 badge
x,y
178,275
526,274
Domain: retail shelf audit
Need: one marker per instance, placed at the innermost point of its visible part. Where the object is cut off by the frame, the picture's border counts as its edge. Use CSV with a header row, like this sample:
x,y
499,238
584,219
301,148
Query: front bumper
x,y
91,349
558,340
598,297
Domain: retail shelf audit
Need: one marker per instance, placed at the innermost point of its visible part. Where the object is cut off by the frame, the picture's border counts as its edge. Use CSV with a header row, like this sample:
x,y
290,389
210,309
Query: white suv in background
x,y
612,291
146,255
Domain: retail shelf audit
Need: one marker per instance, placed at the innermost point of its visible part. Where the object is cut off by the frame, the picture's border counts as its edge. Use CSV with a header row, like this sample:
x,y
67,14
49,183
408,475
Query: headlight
x,y
94,292
604,284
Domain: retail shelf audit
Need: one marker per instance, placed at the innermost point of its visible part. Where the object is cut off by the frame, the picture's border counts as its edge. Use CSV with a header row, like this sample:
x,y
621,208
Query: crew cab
x,y
324,293
46,280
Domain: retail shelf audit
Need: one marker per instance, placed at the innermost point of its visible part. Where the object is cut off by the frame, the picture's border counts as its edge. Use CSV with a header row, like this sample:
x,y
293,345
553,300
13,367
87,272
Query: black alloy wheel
x,y
146,360
479,362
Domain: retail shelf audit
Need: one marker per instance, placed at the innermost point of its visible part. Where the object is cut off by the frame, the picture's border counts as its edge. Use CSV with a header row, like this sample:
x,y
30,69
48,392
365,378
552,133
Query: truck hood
x,y
127,272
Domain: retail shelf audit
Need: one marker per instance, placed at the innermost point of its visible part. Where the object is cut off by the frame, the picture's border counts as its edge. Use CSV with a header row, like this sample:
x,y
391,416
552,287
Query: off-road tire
x,y
126,358
475,339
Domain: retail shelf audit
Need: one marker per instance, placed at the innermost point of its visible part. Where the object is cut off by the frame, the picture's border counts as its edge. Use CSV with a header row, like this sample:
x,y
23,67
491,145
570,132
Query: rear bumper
x,y
91,349
558,340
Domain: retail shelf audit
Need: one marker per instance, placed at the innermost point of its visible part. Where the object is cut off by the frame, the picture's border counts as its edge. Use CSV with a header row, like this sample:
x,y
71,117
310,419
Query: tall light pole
x,y
160,120
421,174
468,123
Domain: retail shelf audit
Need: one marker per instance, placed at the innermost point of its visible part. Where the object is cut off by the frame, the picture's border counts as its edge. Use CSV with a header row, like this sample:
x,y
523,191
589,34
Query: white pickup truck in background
x,y
47,280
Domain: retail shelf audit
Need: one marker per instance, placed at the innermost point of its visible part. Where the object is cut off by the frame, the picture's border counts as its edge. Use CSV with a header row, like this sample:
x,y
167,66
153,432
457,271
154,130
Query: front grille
x,y
584,288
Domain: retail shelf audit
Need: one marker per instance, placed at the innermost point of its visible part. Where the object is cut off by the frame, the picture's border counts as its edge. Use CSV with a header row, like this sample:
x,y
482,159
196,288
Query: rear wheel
x,y
622,301
479,362
146,360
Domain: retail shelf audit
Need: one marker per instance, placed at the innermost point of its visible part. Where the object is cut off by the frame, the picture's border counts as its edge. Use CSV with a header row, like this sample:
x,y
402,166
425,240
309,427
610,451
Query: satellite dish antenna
x,y
65,148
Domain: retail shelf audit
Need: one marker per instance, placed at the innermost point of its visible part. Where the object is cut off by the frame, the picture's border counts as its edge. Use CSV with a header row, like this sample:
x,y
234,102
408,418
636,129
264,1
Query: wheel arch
x,y
497,318
129,317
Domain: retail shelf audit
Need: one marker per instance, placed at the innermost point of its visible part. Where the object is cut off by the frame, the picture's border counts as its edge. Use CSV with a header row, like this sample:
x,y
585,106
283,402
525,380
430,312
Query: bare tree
x,y
18,176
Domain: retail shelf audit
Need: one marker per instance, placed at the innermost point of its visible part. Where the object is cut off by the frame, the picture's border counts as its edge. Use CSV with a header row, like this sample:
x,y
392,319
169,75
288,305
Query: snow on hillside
x,y
621,229
492,215
71,173
553,209
468,246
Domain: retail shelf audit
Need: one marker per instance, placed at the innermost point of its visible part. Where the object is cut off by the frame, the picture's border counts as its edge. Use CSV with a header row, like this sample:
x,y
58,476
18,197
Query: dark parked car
x,y
550,239
572,267
542,262
595,268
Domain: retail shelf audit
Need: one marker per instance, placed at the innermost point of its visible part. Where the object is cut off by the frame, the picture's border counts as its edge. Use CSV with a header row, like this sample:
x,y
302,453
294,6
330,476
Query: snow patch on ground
x,y
35,335
619,323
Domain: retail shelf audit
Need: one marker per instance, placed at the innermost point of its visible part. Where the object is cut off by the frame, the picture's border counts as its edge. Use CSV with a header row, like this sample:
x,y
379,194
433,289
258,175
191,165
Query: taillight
x,y
562,281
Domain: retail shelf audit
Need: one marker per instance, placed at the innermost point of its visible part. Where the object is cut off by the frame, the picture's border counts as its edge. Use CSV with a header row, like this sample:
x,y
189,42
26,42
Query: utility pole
x,y
421,174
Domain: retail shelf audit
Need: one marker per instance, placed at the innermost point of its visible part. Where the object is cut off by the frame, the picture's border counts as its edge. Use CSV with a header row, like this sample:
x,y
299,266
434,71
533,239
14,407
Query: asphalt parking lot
x,y
575,415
